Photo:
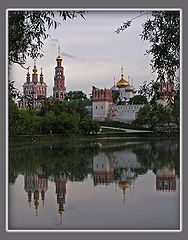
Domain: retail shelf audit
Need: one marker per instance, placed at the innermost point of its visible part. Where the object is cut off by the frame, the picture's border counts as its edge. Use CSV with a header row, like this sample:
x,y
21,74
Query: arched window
x,y
57,95
61,95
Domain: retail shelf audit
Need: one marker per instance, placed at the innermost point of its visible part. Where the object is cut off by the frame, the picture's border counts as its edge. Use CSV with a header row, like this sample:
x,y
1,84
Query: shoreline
x,y
36,139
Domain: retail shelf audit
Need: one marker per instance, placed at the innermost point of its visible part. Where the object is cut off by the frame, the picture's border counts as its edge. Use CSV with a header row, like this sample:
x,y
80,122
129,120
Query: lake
x,y
111,184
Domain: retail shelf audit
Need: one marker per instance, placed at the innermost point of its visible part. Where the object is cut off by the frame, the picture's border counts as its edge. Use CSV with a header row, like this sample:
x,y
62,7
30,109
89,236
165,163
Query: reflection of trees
x,y
156,155
74,159
68,158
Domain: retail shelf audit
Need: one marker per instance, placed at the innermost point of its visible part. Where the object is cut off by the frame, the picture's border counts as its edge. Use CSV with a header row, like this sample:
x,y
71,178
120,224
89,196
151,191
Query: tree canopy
x,y
28,30
75,95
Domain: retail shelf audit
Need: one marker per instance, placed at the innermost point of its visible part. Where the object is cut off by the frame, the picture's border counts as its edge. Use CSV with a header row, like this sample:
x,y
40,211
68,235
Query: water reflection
x,y
113,164
35,186
166,179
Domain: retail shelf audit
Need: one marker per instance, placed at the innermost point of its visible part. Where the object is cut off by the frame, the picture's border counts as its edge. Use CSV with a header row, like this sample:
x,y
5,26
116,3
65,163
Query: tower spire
x,y
35,67
41,76
58,50
28,71
122,71
59,57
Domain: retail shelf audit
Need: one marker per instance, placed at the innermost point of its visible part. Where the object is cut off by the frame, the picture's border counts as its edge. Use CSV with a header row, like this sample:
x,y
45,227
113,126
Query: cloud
x,y
67,55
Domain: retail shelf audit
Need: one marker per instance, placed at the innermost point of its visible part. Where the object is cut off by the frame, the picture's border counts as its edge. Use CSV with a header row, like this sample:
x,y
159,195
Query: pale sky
x,y
92,53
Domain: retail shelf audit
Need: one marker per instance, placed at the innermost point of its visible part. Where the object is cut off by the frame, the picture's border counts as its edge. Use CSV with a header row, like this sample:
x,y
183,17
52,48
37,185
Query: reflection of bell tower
x,y
126,179
35,185
59,79
60,184
166,179
36,201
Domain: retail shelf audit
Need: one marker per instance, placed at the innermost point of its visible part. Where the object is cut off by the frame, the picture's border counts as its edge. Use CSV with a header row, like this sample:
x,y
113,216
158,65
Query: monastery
x,y
104,108
103,105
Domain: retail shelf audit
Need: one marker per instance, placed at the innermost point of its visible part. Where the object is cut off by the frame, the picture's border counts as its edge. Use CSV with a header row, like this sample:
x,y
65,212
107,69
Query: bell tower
x,y
59,79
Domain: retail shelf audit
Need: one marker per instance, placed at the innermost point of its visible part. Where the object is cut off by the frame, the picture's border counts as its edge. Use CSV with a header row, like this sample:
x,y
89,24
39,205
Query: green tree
x,y
14,118
138,99
75,95
153,116
115,96
89,126
29,121
27,31
47,122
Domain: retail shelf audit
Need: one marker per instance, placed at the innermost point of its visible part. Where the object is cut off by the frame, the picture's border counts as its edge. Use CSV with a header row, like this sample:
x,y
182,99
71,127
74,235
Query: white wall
x,y
100,110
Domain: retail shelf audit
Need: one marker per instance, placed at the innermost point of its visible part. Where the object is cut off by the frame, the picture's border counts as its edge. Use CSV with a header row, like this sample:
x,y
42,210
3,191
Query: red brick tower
x,y
59,79
101,103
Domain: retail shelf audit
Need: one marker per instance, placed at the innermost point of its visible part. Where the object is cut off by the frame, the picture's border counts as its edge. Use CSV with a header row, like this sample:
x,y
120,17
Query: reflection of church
x,y
166,179
36,186
117,167
102,169
60,184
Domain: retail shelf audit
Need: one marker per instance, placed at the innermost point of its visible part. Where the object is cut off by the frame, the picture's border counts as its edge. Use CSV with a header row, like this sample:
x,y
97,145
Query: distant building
x,y
34,90
101,103
60,186
166,179
167,93
104,108
59,88
102,169
126,90
36,186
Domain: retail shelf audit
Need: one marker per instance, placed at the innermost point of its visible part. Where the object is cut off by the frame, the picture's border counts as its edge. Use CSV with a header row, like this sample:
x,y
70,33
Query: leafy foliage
x,y
28,31
154,116
75,95
138,99
54,117
162,30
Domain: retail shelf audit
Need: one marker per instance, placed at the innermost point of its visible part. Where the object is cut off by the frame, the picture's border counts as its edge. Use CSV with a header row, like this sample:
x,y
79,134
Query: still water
x,y
112,184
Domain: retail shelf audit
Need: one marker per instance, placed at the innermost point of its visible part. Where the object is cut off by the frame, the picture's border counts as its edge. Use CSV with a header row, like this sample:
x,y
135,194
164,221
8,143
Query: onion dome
x,y
129,88
114,88
123,185
122,83
59,58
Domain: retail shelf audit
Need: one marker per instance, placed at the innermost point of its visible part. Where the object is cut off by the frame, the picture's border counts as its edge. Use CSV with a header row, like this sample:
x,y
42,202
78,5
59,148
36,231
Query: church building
x,y
104,108
34,90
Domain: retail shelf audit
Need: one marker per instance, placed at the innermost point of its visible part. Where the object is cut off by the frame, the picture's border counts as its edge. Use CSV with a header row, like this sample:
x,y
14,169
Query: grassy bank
x,y
104,135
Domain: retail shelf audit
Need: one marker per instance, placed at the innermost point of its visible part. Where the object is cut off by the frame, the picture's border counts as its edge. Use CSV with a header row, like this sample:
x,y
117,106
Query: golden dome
x,y
59,58
123,185
122,83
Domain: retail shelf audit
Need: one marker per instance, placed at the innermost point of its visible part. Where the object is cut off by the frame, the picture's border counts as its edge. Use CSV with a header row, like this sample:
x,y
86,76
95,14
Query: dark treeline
x,y
54,117
75,159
